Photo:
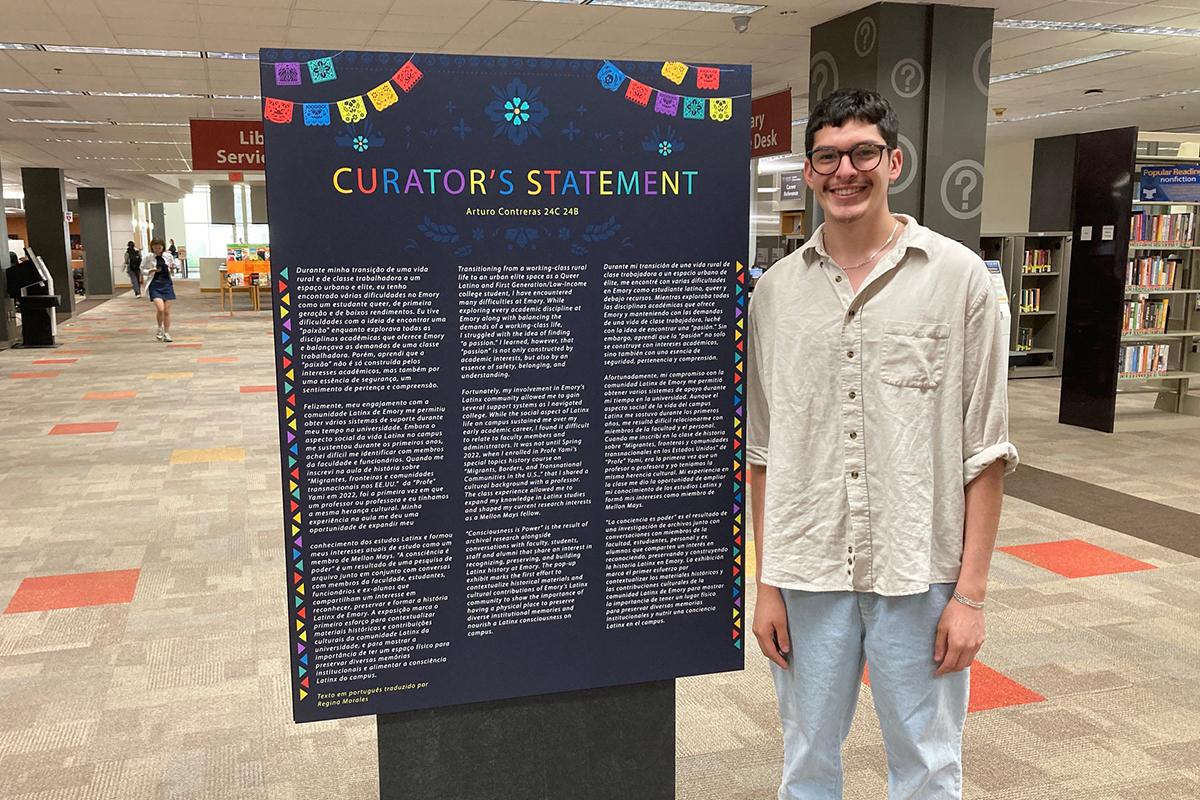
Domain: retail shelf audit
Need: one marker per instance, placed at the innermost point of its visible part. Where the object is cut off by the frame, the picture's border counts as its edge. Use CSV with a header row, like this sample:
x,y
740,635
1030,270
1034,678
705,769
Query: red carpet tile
x,y
216,360
1074,558
56,361
109,395
990,689
183,345
252,389
74,352
69,428
74,591
34,375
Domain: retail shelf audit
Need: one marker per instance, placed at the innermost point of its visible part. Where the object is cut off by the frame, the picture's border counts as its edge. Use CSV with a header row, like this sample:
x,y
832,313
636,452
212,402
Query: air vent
x,y
38,104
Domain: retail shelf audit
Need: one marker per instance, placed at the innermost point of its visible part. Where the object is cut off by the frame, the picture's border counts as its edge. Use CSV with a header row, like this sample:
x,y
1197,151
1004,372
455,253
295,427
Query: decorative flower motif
x,y
564,233
462,129
522,237
665,144
361,144
517,111
360,137
571,131
477,234
581,110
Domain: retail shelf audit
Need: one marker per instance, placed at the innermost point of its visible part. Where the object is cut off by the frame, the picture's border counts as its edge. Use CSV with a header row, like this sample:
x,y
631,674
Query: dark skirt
x,y
161,289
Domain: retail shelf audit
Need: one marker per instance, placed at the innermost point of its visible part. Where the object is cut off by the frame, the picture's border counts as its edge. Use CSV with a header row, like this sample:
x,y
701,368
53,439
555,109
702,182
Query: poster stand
x,y
594,744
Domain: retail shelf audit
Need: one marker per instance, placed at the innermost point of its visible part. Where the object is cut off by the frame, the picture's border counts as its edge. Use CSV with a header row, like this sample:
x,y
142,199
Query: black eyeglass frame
x,y
883,148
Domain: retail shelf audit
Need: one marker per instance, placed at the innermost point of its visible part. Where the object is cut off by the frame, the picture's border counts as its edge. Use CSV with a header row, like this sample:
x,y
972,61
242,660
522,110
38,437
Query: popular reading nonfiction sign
x,y
508,324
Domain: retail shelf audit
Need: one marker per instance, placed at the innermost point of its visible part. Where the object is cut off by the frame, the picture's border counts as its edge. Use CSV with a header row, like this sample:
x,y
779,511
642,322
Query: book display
x,y
1035,267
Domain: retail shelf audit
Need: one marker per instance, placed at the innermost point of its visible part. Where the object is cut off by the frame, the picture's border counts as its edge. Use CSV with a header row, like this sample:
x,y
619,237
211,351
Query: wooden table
x,y
253,290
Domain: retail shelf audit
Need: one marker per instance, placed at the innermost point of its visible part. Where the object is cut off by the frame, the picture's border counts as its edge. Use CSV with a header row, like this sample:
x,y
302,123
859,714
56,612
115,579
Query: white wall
x,y
1007,185
120,231
173,218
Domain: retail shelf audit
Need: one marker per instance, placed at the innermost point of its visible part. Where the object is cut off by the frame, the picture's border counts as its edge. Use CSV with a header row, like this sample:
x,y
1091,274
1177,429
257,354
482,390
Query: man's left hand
x,y
960,634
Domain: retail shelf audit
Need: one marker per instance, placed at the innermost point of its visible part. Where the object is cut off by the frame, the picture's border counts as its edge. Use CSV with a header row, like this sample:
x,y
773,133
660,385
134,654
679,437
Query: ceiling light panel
x,y
1074,62
17,46
1094,106
682,5
119,51
1094,27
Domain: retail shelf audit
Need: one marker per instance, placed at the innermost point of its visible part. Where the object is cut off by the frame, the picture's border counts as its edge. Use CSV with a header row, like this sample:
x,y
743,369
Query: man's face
x,y
850,194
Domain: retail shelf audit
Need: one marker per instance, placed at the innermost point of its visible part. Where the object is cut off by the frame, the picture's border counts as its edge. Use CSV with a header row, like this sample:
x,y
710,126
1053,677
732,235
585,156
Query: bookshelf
x,y
1036,267
1160,321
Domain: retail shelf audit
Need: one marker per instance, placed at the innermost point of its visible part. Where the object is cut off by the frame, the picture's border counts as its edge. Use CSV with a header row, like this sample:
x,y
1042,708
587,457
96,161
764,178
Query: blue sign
x,y
509,332
1177,183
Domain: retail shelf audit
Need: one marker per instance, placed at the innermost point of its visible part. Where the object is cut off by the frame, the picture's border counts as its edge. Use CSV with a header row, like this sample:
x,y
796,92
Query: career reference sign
x,y
509,327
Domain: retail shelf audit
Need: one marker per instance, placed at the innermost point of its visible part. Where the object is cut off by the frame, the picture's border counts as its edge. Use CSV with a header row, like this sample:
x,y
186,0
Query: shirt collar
x,y
914,235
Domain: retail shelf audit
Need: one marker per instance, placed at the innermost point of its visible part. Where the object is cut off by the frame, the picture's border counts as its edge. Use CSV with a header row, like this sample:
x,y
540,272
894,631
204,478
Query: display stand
x,y
596,744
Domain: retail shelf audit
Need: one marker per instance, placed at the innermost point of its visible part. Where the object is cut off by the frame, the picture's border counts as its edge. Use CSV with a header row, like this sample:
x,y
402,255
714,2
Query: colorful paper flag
x,y
610,77
316,114
720,108
667,104
638,92
708,78
321,70
693,108
407,76
674,71
352,109
287,73
277,110
383,96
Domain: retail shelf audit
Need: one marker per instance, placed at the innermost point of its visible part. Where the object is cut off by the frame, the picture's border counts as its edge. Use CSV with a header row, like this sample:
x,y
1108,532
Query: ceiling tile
x,y
408,23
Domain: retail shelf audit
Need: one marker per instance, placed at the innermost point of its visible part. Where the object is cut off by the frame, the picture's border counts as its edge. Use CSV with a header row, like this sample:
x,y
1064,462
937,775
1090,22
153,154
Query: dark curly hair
x,y
858,104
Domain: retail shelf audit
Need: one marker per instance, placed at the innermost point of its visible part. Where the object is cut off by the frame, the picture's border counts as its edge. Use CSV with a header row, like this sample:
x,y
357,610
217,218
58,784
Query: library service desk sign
x,y
508,319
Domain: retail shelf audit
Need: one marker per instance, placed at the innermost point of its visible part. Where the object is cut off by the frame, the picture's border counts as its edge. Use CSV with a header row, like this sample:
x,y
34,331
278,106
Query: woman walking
x,y
161,288
133,266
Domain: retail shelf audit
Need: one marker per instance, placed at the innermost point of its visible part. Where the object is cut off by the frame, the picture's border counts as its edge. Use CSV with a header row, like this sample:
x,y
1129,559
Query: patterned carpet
x,y
143,647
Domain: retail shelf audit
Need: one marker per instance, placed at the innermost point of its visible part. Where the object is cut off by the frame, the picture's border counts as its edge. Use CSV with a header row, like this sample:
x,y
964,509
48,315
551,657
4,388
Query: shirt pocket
x,y
914,353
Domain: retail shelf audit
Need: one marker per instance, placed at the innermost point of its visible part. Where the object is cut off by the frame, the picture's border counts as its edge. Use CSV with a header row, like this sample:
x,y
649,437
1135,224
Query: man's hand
x,y
960,634
770,625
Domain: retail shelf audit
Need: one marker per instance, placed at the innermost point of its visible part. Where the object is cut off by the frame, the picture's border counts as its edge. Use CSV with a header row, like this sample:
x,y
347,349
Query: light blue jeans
x,y
833,634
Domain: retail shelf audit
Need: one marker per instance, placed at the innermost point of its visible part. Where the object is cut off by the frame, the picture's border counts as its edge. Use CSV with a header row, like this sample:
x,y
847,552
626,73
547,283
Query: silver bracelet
x,y
976,604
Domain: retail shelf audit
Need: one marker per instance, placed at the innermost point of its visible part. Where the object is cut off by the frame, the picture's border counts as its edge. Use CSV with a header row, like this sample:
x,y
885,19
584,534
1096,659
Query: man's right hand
x,y
770,625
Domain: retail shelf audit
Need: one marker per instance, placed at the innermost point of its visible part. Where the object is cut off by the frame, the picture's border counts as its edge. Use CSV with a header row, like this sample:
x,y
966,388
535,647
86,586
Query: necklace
x,y
871,257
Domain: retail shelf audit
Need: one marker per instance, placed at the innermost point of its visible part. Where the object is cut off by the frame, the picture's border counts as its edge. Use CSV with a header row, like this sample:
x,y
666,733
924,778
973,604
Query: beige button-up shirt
x,y
872,411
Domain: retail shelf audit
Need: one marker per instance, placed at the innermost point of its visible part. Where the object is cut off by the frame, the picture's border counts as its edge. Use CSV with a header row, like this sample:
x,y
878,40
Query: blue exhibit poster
x,y
508,311
1175,183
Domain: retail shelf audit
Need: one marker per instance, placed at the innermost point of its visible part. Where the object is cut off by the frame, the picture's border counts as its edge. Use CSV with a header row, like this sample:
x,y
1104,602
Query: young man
x,y
878,443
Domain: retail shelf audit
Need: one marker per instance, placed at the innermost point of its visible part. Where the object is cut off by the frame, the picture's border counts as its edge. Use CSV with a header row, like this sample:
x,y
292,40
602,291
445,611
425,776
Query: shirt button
x,y
850,560
849,354
853,434
852,313
850,549
838,279
852,395
854,475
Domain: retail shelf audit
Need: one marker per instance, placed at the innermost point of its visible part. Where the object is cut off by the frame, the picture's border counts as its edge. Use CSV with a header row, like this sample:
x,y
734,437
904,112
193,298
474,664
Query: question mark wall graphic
x,y
908,77
968,178
864,36
966,175
823,76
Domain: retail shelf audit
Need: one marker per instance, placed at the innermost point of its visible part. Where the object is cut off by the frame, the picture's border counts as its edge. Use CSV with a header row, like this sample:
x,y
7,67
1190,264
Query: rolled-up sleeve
x,y
985,389
758,410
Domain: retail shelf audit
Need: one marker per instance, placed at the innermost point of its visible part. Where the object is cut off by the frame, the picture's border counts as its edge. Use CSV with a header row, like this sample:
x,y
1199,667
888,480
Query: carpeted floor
x,y
146,476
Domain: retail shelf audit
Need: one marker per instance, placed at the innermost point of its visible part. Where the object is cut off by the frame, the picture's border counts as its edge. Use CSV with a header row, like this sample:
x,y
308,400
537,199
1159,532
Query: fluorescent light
x,y
235,56
236,97
39,91
104,141
17,46
1074,62
800,122
1094,106
1094,27
682,5
155,95
147,94
154,124
119,51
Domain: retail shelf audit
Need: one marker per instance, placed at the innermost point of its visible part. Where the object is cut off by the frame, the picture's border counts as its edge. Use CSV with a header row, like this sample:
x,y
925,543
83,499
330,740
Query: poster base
x,y
597,744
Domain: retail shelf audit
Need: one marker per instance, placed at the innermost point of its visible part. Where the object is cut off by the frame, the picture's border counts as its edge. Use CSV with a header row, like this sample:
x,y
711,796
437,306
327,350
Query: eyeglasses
x,y
864,157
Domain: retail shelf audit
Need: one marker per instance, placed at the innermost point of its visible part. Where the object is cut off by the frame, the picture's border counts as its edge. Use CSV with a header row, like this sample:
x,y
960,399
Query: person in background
x,y
161,288
133,266
173,250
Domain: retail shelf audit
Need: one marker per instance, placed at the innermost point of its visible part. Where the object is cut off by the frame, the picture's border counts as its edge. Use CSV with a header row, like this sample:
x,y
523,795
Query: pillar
x,y
932,63
158,222
97,245
49,234
8,328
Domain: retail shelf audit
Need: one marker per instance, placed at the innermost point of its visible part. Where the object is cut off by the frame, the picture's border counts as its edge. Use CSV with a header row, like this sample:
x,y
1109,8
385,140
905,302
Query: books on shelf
x,y
1036,261
1031,299
1150,273
1024,339
1145,316
1162,229
1144,360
